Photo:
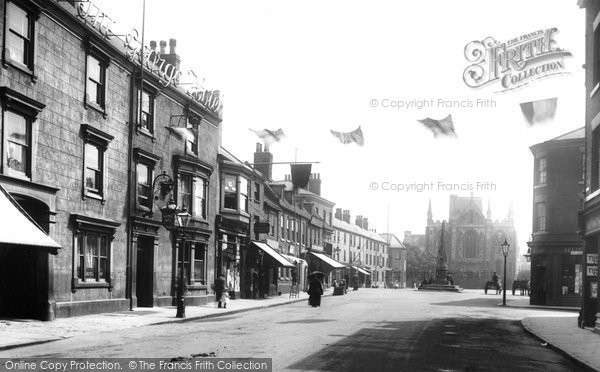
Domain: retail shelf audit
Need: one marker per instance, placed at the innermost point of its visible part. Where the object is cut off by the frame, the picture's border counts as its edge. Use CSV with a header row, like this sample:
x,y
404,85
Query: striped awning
x,y
18,228
328,260
282,261
361,270
293,259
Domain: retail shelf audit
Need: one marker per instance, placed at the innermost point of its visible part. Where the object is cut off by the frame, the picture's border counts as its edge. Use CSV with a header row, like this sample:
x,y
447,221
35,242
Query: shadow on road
x,y
492,301
456,344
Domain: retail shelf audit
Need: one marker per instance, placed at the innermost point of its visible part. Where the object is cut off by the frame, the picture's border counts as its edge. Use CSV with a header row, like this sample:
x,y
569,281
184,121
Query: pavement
x,y
559,332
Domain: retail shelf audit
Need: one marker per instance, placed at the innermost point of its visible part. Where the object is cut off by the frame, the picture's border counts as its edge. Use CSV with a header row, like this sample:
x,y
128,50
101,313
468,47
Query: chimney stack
x,y
365,223
264,161
338,213
358,221
346,215
314,183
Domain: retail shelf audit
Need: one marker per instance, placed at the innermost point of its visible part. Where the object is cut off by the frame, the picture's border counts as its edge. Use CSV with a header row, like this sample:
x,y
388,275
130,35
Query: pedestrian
x,y
224,299
315,291
220,288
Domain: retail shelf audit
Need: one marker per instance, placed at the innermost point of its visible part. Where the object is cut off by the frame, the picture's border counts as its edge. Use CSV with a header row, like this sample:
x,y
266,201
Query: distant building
x,y
472,241
556,247
396,260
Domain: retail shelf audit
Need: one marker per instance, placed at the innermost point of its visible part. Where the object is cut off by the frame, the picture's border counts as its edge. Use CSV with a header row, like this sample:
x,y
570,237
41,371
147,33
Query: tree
x,y
418,263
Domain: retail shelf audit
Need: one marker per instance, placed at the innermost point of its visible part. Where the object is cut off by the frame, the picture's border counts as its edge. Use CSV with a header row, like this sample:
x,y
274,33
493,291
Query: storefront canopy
x,y
293,259
328,260
282,261
18,228
361,270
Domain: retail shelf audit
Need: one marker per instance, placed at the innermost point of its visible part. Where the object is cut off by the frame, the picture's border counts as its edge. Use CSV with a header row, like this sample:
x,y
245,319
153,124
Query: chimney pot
x,y
258,147
163,46
153,44
172,45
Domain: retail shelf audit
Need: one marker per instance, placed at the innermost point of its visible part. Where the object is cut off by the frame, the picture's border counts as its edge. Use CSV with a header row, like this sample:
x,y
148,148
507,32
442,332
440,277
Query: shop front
x,y
321,262
261,267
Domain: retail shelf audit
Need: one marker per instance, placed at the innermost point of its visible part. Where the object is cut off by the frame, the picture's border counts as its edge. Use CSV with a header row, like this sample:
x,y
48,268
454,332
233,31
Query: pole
x,y
180,298
504,284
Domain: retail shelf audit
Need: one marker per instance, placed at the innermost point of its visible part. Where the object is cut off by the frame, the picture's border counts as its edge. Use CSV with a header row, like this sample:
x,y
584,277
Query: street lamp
x,y
505,246
183,220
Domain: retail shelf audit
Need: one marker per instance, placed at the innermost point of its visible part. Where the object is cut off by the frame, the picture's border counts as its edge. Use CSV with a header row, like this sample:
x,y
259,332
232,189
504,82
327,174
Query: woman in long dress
x,y
315,290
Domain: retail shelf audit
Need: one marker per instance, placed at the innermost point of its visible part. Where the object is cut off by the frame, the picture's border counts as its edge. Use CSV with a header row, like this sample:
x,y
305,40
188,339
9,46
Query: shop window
x,y
92,251
19,31
194,261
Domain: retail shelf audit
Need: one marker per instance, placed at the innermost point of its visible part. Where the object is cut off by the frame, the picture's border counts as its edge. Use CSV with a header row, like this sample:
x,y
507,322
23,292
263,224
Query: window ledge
x,y
76,284
21,67
96,107
91,195
145,132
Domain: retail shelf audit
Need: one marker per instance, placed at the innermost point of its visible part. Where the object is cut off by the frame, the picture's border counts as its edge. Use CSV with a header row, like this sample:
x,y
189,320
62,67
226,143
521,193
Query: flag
x,y
537,111
300,174
442,127
182,133
269,136
355,136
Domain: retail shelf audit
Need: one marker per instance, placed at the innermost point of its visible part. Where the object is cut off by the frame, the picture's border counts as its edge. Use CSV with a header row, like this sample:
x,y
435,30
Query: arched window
x,y
470,244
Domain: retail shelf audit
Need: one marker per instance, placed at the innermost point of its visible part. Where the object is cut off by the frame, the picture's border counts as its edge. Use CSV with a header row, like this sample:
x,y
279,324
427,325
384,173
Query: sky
x,y
312,66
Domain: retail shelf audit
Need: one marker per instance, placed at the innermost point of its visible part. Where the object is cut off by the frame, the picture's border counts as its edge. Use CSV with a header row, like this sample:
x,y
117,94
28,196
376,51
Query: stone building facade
x,y
472,242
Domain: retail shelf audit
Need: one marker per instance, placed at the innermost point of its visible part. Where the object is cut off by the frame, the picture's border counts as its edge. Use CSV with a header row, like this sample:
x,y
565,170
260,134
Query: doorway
x,y
144,283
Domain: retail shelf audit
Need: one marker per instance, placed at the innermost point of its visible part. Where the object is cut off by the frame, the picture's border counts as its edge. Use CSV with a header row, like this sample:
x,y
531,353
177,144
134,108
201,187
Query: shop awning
x,y
361,270
274,254
328,260
18,228
293,259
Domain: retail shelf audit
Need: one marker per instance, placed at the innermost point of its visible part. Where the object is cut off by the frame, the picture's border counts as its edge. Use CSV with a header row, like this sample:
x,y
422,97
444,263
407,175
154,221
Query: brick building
x,y
556,248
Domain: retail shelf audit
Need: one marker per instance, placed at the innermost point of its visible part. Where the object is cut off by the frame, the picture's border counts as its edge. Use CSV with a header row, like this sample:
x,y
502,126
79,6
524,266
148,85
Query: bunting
x,y
355,136
538,111
269,136
442,127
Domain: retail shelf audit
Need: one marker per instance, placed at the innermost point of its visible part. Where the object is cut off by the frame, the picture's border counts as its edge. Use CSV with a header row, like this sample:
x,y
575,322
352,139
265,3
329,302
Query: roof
x,y
352,228
392,240
18,228
574,134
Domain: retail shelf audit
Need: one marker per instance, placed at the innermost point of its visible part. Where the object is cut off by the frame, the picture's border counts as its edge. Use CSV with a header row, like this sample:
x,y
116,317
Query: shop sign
x,y
592,270
592,259
593,289
262,227
151,59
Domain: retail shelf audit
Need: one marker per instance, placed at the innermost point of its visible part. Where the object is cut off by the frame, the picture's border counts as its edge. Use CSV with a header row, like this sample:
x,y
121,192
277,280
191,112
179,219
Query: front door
x,y
144,285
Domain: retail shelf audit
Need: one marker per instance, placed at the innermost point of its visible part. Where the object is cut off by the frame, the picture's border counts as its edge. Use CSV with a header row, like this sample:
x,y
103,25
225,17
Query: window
x,y
96,75
541,179
470,244
18,144
18,115
272,222
230,192
95,145
540,216
145,175
146,111
281,226
97,63
194,259
596,57
93,169
257,192
192,194
243,194
192,142
92,257
92,251
19,35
